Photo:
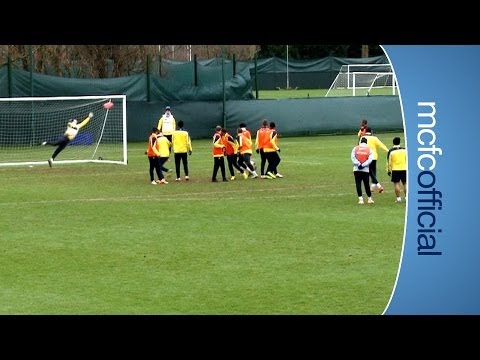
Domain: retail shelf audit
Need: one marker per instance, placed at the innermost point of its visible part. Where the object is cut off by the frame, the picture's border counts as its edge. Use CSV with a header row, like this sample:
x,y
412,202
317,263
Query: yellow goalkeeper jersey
x,y
72,129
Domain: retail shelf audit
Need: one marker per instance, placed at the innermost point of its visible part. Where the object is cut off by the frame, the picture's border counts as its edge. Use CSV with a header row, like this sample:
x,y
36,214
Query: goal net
x,y
27,123
364,79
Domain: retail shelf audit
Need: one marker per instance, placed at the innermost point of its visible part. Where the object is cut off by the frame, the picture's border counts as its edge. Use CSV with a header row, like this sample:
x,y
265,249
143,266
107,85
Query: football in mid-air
x,y
108,105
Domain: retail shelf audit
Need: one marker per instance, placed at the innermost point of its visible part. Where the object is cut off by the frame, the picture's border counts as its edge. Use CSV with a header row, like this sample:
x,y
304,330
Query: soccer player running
x,y
182,145
262,139
69,135
245,131
164,146
374,143
231,149
276,156
245,153
271,150
397,168
362,157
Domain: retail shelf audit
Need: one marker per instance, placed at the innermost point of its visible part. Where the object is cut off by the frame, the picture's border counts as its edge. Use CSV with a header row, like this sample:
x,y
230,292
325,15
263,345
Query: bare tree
x,y
18,55
364,51
102,61
183,52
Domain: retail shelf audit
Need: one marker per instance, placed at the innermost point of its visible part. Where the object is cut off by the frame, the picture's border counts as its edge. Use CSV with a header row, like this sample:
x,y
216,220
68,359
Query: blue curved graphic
x,y
440,95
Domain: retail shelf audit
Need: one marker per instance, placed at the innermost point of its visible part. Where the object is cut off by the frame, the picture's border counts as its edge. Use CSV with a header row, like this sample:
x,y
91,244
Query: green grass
x,y
315,93
292,93
100,239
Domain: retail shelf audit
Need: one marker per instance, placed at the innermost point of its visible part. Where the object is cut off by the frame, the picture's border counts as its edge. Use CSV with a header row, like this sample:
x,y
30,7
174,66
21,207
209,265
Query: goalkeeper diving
x,y
70,133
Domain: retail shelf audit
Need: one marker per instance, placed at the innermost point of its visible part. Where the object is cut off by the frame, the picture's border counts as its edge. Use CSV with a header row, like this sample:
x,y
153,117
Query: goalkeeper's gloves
x,y
360,167
90,115
189,152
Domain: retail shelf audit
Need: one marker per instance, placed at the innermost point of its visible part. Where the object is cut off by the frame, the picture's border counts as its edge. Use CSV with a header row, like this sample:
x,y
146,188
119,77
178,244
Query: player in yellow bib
x,y
182,145
374,143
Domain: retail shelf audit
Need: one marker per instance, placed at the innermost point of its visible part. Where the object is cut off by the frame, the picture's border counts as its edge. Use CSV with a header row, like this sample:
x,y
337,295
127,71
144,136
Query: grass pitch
x,y
100,239
315,93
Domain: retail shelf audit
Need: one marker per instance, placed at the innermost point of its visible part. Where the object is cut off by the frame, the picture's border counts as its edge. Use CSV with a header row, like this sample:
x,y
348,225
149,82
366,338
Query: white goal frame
x,y
352,72
100,112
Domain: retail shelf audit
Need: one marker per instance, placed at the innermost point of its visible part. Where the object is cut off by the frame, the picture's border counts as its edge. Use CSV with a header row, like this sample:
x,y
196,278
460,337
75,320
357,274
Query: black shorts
x,y
399,175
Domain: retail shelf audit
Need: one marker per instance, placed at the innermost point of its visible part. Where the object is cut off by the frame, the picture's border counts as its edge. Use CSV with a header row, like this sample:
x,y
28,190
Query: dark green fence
x,y
203,80
292,116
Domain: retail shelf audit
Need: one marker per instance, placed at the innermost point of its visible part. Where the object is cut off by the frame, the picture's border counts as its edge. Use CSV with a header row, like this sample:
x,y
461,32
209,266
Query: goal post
x,y
28,122
364,79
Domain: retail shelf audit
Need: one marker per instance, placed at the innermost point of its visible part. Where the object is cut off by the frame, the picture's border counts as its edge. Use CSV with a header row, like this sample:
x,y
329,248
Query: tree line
x,y
102,61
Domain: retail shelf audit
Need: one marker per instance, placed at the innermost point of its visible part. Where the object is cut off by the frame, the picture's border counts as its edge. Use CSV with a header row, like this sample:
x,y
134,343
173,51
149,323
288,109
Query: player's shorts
x,y
399,175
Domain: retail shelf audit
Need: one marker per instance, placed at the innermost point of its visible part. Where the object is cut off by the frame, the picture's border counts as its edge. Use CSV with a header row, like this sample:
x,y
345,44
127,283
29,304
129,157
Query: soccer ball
x,y
108,105
253,164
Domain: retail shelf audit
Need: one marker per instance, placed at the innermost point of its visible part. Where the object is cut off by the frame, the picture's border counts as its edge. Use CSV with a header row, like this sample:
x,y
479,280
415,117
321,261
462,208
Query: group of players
x,y
237,149
364,157
165,137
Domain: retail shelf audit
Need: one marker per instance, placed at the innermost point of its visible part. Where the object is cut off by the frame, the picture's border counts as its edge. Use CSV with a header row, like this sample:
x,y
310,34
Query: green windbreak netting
x,y
321,115
177,84
203,80
304,74
45,85
4,81
292,116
